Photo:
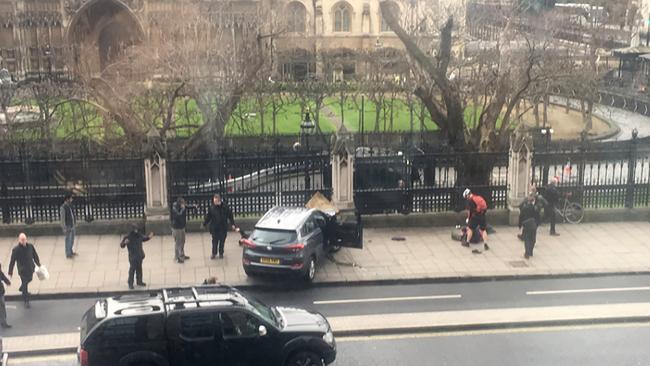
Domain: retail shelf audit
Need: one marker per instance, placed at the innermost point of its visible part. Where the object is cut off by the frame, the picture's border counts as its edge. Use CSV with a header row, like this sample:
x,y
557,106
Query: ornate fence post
x,y
342,159
520,161
155,178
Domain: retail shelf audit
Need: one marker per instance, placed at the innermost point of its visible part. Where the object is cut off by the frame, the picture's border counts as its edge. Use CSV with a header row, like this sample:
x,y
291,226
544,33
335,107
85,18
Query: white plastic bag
x,y
42,273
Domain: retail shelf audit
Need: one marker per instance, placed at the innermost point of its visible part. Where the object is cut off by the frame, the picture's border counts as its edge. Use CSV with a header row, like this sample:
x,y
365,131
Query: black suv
x,y
295,239
201,326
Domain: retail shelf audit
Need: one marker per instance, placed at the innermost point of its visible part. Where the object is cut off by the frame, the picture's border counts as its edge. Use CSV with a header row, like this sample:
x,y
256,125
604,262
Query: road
x,y
62,316
606,345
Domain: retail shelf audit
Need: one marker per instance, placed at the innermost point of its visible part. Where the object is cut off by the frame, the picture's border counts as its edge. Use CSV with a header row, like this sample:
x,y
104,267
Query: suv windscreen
x,y
274,237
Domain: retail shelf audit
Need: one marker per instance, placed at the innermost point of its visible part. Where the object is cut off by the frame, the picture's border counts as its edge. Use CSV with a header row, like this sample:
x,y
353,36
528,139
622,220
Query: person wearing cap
x,y
552,196
529,220
477,208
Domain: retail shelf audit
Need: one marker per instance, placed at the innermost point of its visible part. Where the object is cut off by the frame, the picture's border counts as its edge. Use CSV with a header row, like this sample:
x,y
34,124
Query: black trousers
x,y
25,279
549,211
530,238
135,268
218,242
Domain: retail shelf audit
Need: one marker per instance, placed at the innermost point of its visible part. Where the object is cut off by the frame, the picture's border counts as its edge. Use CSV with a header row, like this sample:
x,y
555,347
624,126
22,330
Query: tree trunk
x,y
546,103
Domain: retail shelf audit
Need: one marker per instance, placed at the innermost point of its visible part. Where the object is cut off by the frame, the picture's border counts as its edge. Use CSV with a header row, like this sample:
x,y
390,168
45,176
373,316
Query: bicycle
x,y
571,212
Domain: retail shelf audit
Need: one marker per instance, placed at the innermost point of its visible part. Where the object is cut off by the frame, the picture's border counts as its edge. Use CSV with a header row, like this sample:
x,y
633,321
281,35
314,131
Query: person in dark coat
x,y
3,308
179,222
133,242
552,196
529,219
68,223
218,218
24,254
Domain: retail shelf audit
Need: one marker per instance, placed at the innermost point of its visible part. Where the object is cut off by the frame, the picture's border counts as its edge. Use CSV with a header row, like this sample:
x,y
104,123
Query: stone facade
x,y
41,36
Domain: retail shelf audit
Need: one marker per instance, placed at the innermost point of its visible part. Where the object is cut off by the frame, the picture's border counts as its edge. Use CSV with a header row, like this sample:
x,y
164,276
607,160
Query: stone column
x,y
342,160
156,209
520,165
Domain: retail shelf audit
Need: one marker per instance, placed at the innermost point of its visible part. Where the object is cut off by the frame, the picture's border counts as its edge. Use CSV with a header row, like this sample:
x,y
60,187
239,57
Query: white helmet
x,y
466,193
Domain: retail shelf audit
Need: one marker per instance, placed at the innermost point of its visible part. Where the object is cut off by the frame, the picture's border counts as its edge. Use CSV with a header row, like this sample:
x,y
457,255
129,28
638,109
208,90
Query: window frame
x,y
344,11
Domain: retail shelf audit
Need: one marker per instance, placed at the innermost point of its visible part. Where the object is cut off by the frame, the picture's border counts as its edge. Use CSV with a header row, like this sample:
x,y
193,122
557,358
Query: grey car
x,y
294,240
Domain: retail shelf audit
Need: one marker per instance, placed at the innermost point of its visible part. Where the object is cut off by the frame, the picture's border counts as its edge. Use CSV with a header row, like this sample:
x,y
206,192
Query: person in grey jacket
x,y
68,223
179,222
3,308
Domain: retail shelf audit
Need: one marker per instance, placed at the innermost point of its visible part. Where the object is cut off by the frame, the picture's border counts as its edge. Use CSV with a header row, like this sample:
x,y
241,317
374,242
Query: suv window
x,y
279,237
238,324
308,226
197,325
129,329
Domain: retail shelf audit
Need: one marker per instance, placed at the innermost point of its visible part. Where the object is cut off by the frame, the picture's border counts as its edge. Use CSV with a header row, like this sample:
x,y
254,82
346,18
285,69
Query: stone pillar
x,y
156,209
342,160
520,166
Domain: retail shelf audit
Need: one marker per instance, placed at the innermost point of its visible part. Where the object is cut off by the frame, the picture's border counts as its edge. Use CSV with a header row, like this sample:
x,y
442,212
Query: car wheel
x,y
305,358
310,274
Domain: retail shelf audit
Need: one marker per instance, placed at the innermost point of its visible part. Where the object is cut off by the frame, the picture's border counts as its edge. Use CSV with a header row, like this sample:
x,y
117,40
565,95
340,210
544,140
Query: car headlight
x,y
329,338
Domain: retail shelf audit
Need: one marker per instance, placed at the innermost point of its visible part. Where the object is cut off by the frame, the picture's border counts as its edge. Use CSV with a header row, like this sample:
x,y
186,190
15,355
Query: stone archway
x,y
99,31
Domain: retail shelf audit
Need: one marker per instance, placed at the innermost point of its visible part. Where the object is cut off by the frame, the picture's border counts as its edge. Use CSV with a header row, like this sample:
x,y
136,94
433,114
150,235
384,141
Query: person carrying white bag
x,y
42,273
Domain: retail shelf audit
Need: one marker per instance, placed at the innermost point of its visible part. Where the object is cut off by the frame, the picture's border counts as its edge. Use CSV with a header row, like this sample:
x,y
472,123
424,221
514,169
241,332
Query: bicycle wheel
x,y
574,213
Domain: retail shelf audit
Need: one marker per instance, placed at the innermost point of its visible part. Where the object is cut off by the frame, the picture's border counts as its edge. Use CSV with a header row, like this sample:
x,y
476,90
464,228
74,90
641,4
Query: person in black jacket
x,y
133,242
179,222
3,308
24,254
529,220
218,217
552,196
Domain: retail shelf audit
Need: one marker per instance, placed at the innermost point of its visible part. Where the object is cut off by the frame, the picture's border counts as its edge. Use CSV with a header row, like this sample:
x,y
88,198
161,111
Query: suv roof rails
x,y
198,295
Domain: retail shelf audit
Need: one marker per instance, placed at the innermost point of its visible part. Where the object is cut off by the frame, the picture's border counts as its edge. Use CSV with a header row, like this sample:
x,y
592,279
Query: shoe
x,y
178,260
6,326
74,254
555,234
28,305
213,256
131,287
465,244
220,256
476,251
186,257
142,284
486,247
68,256
526,256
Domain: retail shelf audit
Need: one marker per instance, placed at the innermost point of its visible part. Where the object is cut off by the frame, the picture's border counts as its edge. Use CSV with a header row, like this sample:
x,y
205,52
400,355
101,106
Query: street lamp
x,y
547,132
306,127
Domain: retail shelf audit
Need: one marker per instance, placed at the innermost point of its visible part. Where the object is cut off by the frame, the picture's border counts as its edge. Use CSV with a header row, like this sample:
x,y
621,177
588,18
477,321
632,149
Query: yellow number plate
x,y
269,261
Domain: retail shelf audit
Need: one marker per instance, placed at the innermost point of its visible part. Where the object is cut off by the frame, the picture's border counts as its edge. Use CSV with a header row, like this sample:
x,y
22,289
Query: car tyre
x,y
310,273
248,272
305,358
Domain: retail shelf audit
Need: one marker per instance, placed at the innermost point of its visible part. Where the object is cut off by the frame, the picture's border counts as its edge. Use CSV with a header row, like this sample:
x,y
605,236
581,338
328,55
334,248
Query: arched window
x,y
342,17
394,9
297,21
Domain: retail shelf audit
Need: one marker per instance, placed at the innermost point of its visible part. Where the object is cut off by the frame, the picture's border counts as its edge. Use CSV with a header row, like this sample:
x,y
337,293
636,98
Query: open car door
x,y
349,230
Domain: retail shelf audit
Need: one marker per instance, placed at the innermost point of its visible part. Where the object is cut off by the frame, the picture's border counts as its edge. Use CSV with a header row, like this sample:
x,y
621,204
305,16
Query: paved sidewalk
x,y
426,253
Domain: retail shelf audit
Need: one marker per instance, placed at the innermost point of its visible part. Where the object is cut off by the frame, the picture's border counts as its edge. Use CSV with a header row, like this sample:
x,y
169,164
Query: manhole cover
x,y
518,264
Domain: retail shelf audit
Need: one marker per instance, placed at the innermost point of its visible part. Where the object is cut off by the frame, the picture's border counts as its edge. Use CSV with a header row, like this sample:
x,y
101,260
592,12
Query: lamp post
x,y
547,132
306,127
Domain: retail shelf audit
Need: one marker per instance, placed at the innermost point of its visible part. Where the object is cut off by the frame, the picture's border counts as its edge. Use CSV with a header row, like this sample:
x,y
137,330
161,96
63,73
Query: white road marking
x,y
388,299
42,359
562,328
588,290
10,306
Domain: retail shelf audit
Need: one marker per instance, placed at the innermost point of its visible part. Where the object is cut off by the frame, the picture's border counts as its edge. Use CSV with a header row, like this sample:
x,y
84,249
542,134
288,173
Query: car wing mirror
x,y
262,331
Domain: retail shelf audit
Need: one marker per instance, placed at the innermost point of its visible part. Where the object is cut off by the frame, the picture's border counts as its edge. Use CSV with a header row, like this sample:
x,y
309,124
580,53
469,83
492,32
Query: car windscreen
x,y
274,237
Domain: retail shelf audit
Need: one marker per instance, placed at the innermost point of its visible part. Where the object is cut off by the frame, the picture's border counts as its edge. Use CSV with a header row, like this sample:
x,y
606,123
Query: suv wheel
x,y
305,358
310,274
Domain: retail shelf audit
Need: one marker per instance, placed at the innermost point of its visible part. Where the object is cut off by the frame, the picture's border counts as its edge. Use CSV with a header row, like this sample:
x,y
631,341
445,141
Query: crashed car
x,y
295,240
